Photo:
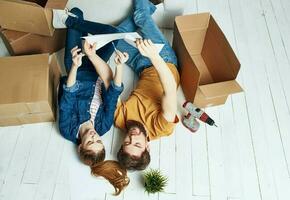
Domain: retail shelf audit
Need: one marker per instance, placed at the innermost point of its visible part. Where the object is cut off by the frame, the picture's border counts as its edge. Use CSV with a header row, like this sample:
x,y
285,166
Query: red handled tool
x,y
190,122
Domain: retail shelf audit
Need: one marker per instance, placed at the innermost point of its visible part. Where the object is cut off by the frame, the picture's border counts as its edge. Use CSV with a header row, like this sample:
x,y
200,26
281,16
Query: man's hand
x,y
147,48
90,50
121,57
76,57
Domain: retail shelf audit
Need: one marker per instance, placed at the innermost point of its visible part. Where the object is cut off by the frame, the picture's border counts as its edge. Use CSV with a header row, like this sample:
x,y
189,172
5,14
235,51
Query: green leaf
x,y
154,181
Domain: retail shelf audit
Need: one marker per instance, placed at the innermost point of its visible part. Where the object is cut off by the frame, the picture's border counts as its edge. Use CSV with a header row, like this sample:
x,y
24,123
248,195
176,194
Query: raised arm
x,y
77,62
120,59
111,95
67,98
169,99
102,68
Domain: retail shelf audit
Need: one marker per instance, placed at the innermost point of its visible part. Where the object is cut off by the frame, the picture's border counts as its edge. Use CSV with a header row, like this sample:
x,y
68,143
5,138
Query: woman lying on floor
x,y
89,94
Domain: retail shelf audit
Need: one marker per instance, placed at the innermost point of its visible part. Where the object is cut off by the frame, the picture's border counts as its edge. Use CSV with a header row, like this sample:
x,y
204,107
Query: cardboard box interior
x,y
208,65
28,89
29,16
21,43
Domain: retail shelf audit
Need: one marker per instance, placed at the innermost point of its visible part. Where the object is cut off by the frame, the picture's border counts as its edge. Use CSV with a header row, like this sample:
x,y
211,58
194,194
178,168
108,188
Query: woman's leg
x,y
78,27
73,38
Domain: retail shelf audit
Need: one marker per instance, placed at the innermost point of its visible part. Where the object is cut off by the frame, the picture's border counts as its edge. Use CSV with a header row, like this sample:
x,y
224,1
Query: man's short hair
x,y
133,162
90,157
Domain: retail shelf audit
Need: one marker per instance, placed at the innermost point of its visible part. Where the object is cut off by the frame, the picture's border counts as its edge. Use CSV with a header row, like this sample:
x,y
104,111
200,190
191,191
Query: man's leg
x,y
128,25
144,21
149,30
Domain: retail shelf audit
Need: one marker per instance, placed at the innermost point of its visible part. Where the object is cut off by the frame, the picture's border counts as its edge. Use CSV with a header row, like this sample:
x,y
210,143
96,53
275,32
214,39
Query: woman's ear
x,y
79,148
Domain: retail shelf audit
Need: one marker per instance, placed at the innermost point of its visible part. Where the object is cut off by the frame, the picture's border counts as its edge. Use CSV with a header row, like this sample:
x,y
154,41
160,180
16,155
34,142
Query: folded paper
x,y
103,39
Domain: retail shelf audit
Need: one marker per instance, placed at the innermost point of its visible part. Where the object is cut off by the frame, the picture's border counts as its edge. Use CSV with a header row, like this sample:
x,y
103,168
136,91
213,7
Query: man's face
x,y
92,141
135,142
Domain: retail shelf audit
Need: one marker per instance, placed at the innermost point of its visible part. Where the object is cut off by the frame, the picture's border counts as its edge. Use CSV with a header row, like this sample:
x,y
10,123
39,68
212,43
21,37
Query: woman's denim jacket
x,y
74,106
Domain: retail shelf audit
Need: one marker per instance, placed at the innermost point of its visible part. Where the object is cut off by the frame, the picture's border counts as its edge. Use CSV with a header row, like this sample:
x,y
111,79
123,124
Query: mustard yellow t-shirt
x,y
144,105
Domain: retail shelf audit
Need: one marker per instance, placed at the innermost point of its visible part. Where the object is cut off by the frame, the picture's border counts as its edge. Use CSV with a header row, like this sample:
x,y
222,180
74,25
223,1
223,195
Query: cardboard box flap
x,y
186,67
27,2
192,22
21,43
12,36
202,101
55,66
192,29
57,4
25,17
218,55
220,89
54,76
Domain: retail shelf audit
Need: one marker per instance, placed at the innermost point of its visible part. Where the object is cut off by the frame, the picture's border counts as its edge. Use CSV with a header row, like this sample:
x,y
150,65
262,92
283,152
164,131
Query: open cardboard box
x,y
28,88
33,16
208,65
21,43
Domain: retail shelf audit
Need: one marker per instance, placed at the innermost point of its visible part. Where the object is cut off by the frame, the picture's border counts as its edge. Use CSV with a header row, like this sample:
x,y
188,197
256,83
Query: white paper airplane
x,y
103,39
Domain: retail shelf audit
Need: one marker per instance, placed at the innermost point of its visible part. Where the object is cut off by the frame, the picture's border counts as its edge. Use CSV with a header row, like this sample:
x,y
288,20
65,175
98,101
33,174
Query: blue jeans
x,y
142,22
77,28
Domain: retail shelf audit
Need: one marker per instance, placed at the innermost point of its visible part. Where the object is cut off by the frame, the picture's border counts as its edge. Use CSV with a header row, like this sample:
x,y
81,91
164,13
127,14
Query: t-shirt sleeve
x,y
161,126
119,115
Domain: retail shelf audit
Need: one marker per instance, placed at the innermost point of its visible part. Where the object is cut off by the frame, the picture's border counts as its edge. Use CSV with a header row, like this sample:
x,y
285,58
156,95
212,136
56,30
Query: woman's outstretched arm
x,y
102,68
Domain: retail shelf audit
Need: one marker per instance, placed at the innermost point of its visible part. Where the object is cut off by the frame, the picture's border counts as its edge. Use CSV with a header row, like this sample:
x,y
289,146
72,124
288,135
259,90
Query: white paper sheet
x,y
103,39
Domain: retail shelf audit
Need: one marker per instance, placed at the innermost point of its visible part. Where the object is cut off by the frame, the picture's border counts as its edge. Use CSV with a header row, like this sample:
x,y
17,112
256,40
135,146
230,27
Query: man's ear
x,y
147,146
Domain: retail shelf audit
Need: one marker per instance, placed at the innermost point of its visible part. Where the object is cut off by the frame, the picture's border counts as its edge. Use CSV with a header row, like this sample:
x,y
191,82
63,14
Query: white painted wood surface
x,y
246,158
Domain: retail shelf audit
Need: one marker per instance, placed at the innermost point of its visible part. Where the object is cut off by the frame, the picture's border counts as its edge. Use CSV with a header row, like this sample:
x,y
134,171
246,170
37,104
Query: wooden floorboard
x,y
39,145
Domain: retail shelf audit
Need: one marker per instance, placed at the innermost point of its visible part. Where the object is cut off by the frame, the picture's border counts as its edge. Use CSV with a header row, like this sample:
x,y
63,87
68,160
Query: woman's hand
x,y
121,57
76,57
147,48
90,50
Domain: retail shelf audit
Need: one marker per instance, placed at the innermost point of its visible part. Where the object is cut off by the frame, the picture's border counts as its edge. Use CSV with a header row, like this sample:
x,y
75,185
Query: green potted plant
x,y
154,181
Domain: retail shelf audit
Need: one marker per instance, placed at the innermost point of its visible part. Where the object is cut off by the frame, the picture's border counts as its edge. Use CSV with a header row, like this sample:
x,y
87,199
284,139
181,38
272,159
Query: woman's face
x,y
92,141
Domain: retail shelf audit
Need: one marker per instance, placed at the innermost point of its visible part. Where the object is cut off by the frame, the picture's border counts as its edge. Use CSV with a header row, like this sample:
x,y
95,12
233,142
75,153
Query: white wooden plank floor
x,y
246,158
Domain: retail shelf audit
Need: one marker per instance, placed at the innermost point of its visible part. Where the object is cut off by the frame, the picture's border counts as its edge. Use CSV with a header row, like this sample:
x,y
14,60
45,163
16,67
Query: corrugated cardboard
x,y
21,43
28,89
29,16
208,65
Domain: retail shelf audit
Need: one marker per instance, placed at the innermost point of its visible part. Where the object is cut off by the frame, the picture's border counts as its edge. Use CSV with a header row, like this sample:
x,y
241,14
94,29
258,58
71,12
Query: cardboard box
x,y
29,16
21,43
28,86
208,65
